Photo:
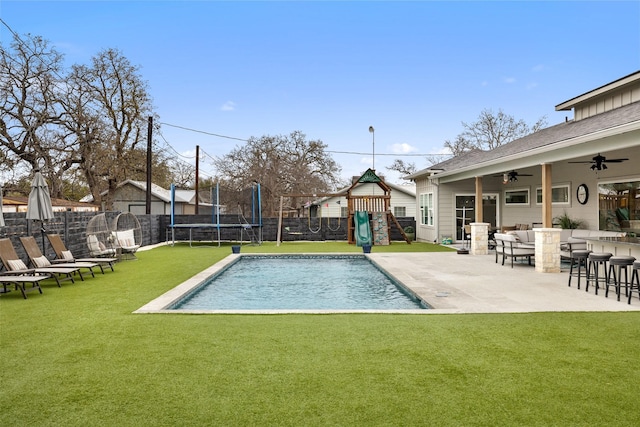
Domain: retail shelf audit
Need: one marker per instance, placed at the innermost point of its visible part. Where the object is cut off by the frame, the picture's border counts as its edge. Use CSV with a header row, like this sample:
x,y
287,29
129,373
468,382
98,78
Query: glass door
x,y
466,213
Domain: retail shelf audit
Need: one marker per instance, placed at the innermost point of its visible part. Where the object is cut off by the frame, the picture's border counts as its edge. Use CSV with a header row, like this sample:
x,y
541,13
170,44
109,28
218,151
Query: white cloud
x,y
510,80
228,106
538,68
531,85
403,148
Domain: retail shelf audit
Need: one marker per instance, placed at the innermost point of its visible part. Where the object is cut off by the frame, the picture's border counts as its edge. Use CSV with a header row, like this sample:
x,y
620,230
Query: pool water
x,y
305,282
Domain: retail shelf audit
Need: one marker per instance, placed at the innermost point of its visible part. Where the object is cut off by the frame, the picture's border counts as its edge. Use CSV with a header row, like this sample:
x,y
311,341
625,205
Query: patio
x,y
454,283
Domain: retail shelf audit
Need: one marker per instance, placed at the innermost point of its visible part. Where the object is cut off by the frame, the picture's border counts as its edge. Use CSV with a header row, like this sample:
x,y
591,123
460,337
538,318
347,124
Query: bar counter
x,y
618,246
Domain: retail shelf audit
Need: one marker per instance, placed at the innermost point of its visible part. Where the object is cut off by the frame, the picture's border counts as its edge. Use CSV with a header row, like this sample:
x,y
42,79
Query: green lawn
x,y
76,356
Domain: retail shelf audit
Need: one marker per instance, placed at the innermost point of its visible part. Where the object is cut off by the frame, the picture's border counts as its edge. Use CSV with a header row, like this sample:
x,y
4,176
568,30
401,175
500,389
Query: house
x,y
131,196
19,204
402,202
586,167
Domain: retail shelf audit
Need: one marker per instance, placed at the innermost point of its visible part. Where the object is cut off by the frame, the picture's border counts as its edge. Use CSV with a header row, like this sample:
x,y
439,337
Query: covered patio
x,y
585,168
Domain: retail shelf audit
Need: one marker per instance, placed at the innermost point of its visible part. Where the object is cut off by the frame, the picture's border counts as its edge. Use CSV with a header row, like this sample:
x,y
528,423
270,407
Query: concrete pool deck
x,y
453,284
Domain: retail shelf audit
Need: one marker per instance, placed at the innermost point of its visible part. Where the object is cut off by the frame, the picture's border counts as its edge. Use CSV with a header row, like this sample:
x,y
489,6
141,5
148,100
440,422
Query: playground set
x,y
369,216
362,229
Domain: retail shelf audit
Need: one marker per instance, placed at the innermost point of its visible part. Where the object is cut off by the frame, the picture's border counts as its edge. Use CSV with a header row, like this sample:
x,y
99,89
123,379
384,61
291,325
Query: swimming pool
x,y
297,283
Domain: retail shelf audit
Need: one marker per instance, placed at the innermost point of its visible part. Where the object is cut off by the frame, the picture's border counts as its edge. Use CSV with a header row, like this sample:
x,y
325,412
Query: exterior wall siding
x,y
608,102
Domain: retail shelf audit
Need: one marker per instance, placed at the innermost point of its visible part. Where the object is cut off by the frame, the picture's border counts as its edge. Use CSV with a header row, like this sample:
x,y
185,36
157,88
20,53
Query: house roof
x,y
181,196
615,85
60,203
566,140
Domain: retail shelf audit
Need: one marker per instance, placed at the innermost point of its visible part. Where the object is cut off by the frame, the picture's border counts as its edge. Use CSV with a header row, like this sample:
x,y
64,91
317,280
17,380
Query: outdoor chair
x,y
127,234
15,266
512,248
65,255
40,261
466,236
20,281
99,237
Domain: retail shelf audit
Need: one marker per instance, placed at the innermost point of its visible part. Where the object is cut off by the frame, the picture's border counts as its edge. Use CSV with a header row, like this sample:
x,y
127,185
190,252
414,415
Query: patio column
x,y
546,196
479,238
547,238
478,199
547,250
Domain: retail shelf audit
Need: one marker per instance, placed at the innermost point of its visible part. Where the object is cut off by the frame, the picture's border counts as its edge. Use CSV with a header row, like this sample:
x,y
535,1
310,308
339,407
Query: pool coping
x,y
450,283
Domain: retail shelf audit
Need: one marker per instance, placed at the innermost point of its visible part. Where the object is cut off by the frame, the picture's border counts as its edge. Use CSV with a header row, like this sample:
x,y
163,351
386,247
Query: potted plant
x,y
566,222
410,232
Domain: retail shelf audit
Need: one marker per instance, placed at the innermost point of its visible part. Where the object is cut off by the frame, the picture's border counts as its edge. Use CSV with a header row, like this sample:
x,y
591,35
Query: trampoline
x,y
245,227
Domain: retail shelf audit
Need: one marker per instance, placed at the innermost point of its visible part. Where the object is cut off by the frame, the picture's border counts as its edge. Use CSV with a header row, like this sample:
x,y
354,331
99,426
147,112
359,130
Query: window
x,y
559,195
516,197
619,206
426,209
399,211
344,212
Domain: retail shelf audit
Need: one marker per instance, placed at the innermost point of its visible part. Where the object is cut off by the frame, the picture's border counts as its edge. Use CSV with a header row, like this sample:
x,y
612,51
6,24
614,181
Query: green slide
x,y
363,230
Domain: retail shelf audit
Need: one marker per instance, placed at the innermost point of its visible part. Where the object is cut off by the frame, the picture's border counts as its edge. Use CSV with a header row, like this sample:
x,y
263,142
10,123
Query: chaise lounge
x,y
65,255
15,266
40,261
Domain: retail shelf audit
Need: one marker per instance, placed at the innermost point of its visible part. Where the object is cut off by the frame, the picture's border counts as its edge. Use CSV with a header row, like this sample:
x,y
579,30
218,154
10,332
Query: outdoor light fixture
x,y
373,146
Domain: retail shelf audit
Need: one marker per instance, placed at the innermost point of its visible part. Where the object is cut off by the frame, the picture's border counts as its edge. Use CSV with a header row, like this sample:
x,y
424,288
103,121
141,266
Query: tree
x,y
92,119
491,131
107,110
283,164
29,109
402,167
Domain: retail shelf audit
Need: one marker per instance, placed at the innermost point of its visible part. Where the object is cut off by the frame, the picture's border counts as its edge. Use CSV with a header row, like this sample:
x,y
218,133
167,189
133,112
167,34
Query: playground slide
x,y
363,230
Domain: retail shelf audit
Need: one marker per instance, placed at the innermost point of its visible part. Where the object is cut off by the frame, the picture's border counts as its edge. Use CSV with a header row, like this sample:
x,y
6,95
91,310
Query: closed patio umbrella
x,y
39,205
1,215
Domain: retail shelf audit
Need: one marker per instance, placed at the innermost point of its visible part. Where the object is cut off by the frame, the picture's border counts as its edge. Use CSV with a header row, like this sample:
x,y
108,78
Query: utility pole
x,y
149,138
197,176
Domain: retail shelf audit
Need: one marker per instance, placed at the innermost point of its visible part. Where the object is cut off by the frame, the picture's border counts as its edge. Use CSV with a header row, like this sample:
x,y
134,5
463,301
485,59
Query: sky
x,y
220,72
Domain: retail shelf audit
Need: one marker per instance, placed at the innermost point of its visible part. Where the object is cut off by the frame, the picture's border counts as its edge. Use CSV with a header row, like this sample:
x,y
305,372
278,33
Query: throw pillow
x,y
514,234
16,264
41,262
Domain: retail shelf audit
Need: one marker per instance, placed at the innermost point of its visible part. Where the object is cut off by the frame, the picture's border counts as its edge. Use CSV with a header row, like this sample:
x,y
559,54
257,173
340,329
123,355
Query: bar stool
x,y
579,259
635,280
619,263
597,259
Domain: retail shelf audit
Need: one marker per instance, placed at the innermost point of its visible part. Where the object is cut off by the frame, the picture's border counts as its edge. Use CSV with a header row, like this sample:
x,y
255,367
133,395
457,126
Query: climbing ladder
x,y
255,240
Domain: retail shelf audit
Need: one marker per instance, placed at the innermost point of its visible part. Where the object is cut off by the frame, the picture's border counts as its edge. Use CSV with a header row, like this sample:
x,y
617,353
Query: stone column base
x,y
479,238
547,250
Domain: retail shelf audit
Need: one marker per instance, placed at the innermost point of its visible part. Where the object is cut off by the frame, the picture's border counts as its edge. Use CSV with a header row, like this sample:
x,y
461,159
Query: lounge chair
x,y
65,255
15,266
20,281
40,261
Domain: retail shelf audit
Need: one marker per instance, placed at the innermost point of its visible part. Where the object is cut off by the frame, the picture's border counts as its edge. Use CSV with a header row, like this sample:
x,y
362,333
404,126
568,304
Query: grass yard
x,y
76,356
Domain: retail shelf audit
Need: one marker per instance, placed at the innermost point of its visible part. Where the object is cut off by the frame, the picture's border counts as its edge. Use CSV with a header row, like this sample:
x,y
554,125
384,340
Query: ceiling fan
x,y
511,176
598,162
